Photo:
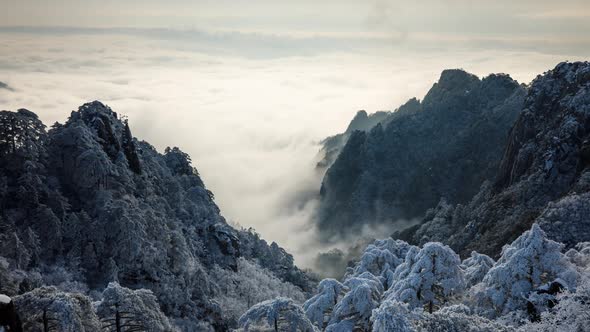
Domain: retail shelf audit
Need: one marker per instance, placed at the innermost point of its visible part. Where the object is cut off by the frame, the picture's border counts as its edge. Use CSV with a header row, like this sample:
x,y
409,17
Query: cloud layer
x,y
249,108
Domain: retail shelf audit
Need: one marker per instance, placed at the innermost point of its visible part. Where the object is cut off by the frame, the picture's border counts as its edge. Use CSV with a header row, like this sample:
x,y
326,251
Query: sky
x,y
249,88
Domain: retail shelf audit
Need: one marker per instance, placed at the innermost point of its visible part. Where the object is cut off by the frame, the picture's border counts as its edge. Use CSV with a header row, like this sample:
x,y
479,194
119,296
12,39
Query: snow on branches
x,y
281,314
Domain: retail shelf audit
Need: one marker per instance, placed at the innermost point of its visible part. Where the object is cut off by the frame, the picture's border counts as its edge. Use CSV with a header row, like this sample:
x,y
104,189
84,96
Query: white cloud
x,y
249,122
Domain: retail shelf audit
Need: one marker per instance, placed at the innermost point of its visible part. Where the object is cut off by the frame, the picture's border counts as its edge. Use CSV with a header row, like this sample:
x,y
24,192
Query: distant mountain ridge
x,y
445,146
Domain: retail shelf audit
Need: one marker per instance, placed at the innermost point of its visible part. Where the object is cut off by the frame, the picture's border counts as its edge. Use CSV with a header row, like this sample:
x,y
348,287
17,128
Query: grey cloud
x,y
511,33
249,45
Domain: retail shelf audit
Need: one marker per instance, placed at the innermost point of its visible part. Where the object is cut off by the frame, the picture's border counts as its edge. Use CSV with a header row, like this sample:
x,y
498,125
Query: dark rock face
x,y
362,121
332,146
443,147
88,197
9,318
543,176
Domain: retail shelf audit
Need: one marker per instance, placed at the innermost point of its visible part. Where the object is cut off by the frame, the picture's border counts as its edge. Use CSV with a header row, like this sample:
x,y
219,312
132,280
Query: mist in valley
x,y
251,120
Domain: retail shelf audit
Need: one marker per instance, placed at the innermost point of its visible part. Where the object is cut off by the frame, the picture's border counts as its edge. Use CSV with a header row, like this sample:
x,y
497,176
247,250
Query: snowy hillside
x,y
533,286
91,214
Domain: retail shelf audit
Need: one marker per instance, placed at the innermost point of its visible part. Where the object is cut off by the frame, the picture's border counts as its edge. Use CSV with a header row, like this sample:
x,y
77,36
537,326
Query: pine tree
x,y
433,278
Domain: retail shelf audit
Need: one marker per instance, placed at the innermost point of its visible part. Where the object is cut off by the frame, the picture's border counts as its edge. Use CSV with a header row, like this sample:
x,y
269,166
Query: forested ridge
x,y
393,166
90,213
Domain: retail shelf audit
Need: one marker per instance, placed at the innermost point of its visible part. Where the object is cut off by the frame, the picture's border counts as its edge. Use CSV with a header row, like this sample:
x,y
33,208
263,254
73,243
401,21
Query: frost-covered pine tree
x,y
476,267
355,309
68,312
251,284
580,257
280,314
531,261
381,258
32,244
379,253
319,308
141,306
458,318
404,268
392,316
433,278
571,314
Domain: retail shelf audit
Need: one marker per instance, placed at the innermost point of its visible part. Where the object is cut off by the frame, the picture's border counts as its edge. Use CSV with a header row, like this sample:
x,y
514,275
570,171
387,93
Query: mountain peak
x,y
360,117
564,79
96,109
456,78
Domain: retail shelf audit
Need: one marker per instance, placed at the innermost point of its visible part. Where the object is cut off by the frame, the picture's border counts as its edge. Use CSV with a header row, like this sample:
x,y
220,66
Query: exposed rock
x,y
9,318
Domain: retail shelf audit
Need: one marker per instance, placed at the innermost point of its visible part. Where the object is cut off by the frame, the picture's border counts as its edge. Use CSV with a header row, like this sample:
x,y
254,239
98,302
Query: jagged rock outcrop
x,y
86,203
332,145
9,318
443,147
543,176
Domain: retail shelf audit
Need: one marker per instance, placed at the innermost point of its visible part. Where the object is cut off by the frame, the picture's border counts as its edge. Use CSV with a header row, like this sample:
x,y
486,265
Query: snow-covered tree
x,y
280,314
381,258
571,314
251,284
21,254
580,257
458,318
392,316
355,308
531,261
140,305
404,269
31,241
319,307
476,267
433,278
69,312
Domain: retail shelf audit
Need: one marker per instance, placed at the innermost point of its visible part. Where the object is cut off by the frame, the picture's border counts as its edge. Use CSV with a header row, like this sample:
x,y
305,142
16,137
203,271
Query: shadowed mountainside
x,y
445,146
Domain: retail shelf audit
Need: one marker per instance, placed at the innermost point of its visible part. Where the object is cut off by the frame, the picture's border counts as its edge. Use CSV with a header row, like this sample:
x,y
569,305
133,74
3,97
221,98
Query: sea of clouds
x,y
249,108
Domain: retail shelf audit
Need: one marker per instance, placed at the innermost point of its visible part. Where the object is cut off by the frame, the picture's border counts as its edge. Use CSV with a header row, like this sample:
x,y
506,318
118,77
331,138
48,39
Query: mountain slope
x,y
442,147
88,199
543,176
332,145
